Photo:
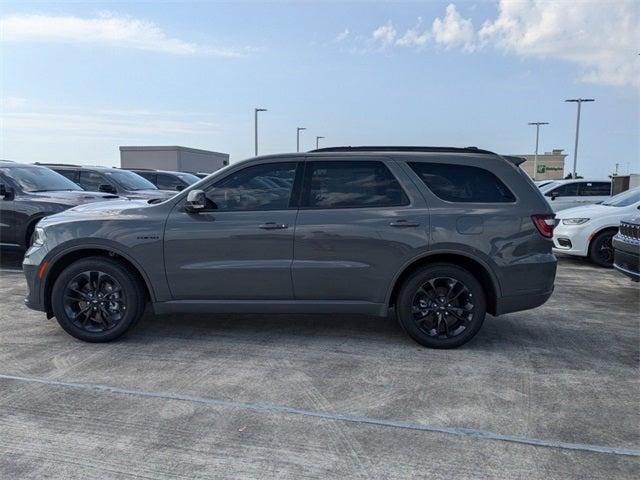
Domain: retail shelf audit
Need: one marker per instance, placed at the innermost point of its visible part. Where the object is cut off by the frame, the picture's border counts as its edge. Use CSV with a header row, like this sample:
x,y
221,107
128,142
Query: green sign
x,y
541,169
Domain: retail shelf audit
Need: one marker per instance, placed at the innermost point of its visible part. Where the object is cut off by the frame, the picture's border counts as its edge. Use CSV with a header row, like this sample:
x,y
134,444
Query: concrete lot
x,y
324,396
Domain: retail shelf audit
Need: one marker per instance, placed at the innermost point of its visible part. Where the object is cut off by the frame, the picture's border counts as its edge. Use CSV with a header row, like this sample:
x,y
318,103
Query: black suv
x,y
166,179
29,193
111,180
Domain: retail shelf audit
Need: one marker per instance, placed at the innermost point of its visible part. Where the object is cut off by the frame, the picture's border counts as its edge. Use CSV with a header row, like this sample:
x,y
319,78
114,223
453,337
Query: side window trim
x,y
305,194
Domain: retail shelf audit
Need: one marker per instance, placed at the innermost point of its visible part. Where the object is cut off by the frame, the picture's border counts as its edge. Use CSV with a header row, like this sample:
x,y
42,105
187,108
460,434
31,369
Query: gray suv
x,y
441,235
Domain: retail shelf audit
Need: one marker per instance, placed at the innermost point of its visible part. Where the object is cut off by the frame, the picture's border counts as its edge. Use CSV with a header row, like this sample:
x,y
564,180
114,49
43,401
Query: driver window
x,y
260,187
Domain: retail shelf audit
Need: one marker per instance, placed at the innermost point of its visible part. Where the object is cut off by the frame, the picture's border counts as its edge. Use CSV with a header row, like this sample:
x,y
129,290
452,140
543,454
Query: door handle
x,y
273,226
403,224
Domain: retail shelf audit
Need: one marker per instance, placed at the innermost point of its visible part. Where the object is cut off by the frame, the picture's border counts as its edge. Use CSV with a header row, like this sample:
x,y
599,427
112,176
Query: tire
x,y
97,299
434,323
601,249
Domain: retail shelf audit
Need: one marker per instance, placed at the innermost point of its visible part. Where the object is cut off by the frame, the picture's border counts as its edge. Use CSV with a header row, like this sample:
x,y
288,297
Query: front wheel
x,y
601,249
441,306
97,299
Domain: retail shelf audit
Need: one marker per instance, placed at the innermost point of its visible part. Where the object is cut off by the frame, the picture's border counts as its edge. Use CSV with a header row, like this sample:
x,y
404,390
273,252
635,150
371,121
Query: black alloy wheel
x,y
441,306
98,299
601,249
94,301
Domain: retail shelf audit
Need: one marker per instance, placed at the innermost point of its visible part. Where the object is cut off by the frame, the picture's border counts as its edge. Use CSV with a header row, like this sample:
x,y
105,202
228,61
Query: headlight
x,y
574,221
38,236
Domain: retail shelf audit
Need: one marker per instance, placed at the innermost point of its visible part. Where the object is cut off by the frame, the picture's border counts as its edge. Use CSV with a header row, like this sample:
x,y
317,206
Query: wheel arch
x,y
477,268
66,258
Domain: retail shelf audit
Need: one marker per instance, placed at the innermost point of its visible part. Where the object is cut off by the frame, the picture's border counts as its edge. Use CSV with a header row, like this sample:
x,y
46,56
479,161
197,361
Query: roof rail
x,y
47,164
385,148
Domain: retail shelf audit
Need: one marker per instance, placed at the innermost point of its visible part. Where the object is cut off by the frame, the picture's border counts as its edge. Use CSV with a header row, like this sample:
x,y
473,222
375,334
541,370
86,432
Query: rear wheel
x,y
441,306
601,249
97,299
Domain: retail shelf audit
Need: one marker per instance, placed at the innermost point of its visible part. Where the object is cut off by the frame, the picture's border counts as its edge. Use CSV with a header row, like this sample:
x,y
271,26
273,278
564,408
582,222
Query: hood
x,y
120,208
150,194
72,197
594,211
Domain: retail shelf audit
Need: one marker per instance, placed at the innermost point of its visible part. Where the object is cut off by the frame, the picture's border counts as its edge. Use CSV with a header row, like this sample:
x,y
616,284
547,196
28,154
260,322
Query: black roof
x,y
385,148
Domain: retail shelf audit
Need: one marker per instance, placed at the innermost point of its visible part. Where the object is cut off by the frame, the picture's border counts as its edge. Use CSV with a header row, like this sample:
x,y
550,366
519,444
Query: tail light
x,y
544,223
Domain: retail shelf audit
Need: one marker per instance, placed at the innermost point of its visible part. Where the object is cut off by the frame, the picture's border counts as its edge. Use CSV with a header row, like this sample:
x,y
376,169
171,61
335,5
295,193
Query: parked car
x,y
587,231
443,235
111,180
626,248
28,193
563,194
165,179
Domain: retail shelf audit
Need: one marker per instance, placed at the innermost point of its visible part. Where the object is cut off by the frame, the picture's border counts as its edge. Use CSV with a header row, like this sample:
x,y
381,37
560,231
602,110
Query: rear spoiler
x,y
517,161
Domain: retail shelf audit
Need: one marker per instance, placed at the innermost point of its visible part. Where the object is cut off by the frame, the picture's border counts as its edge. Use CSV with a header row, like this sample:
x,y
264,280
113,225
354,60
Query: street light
x,y
535,158
318,141
575,148
298,138
255,122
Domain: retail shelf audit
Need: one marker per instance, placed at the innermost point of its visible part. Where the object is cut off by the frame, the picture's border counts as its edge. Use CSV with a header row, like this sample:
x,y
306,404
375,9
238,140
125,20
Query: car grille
x,y
629,230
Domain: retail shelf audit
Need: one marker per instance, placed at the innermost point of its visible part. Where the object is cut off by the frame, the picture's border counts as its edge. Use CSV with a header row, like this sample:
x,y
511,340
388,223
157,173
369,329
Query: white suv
x,y
587,231
563,194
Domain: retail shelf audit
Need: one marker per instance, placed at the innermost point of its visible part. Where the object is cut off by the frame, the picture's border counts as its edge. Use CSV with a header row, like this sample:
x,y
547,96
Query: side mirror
x,y
179,188
196,201
6,193
106,188
553,195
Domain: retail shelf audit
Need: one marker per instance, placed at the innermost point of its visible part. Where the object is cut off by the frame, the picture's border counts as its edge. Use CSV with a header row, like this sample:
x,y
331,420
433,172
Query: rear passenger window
x,y
168,182
343,184
462,183
595,189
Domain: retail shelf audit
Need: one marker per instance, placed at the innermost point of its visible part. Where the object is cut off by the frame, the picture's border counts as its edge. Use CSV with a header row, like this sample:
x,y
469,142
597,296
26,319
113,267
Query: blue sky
x,y
78,79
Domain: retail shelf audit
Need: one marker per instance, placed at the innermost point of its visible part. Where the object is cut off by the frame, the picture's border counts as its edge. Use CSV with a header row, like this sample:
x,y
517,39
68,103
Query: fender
x,y
71,246
445,251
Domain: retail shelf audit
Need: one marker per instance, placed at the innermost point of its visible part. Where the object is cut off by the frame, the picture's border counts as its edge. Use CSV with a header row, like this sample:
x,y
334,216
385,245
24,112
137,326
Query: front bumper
x,y
572,240
31,266
626,258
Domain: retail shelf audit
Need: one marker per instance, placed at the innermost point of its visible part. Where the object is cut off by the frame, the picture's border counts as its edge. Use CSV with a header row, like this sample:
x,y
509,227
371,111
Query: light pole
x,y
535,158
575,148
255,123
298,138
318,142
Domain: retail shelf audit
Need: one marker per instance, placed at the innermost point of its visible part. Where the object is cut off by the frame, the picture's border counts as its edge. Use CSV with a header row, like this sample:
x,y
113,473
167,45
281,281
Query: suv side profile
x,y
441,235
563,194
111,180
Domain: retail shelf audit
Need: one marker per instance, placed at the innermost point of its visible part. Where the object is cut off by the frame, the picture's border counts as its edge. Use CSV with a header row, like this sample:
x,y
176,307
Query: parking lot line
x,y
266,407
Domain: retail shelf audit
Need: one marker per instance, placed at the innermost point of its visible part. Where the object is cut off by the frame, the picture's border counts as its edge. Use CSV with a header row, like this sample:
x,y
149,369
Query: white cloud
x,y
104,29
453,30
341,36
601,37
413,37
385,34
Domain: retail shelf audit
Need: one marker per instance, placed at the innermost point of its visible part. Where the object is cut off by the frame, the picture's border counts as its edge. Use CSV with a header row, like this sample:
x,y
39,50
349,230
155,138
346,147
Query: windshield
x,y
130,181
188,178
38,179
624,199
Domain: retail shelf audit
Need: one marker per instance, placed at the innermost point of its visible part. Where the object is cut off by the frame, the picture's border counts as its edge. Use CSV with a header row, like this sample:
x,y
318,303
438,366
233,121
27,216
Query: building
x,y
550,165
181,159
